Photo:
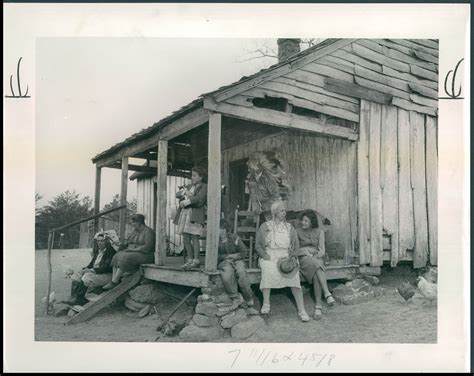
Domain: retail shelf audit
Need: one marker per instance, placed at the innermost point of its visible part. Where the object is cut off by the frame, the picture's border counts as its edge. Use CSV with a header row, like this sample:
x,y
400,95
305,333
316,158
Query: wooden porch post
x,y
123,197
161,202
98,171
213,191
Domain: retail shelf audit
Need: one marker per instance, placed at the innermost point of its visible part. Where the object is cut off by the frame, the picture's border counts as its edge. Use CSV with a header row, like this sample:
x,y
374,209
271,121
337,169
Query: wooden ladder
x,y
91,308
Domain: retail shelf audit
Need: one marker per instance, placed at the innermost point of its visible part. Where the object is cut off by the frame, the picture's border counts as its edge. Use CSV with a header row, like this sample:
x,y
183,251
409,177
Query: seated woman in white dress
x,y
277,239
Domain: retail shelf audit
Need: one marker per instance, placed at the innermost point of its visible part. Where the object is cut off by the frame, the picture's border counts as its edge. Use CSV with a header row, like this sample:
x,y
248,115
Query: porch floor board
x,y
172,273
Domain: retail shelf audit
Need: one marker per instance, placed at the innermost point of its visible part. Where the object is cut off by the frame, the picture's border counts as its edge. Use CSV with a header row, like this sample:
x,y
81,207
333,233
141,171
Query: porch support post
x,y
123,197
98,171
213,191
161,202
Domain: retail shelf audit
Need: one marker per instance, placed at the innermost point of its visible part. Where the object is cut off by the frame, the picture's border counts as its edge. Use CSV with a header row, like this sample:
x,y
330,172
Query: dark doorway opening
x,y
238,194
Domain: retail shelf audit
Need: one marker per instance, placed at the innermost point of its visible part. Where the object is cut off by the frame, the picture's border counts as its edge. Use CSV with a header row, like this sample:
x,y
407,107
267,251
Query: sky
x,y
94,92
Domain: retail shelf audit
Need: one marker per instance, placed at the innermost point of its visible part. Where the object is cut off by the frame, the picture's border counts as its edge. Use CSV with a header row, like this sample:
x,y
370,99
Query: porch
x,y
207,136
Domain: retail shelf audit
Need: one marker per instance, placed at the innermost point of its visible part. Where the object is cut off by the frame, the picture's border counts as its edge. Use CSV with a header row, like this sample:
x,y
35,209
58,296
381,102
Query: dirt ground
x,y
387,319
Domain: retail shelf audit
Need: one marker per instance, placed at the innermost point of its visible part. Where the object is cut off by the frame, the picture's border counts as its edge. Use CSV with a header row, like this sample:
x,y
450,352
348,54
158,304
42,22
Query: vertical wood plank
x,y
213,191
98,173
376,229
161,202
420,255
432,187
406,224
123,197
352,192
363,230
389,178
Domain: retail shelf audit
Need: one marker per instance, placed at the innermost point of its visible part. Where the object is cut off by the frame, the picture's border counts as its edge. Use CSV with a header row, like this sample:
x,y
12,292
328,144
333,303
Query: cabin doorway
x,y
238,192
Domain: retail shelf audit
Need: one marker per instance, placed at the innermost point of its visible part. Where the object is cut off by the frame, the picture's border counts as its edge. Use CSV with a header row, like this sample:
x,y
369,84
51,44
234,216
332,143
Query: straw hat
x,y
288,266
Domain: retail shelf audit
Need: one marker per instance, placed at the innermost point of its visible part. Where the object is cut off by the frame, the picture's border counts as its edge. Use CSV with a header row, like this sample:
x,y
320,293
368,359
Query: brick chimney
x,y
287,48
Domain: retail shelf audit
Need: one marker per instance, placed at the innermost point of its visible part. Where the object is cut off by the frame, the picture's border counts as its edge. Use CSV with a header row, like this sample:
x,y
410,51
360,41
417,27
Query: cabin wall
x,y
322,174
397,185
145,204
398,72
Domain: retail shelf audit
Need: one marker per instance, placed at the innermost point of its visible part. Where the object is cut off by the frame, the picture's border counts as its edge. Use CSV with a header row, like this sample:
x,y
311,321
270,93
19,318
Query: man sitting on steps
x,y
231,255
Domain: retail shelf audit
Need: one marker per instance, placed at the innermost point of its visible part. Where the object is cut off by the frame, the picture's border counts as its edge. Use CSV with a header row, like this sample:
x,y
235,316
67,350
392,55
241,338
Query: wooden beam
x,y
161,171
175,276
281,70
357,91
123,197
173,129
213,191
282,119
431,140
98,171
92,308
375,204
184,124
136,168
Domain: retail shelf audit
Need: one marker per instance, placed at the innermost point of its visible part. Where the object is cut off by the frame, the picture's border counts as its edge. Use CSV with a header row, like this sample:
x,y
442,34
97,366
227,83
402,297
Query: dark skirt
x,y
130,261
308,267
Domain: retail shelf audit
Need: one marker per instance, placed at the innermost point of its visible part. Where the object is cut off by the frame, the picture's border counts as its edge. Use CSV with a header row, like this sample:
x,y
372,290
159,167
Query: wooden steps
x,y
92,308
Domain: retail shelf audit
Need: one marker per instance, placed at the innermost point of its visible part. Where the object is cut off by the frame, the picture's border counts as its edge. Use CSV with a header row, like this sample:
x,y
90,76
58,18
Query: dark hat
x,y
139,218
288,266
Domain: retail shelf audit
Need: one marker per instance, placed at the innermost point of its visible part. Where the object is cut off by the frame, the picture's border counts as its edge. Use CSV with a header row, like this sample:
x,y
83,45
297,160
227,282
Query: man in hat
x,y
231,255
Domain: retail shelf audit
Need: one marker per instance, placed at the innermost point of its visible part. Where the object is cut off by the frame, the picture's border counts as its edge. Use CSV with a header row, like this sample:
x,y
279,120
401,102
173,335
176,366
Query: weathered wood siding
x,y
404,70
322,173
145,197
397,184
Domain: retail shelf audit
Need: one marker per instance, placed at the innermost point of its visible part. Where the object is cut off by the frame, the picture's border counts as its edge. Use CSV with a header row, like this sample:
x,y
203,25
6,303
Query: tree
x,y
131,208
65,208
268,50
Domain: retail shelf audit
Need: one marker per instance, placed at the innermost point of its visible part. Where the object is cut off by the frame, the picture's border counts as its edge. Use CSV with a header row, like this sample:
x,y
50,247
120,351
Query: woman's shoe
x,y
109,286
194,264
318,313
265,310
330,300
303,316
186,264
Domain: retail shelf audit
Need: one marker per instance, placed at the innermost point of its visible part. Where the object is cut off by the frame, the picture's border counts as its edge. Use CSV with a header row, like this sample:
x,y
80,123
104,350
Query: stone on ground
x,y
373,280
356,291
205,321
149,293
248,327
201,334
133,305
208,309
233,318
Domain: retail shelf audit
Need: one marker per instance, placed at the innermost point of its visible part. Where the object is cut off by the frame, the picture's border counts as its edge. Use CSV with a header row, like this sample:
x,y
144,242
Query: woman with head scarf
x,y
276,240
138,249
96,274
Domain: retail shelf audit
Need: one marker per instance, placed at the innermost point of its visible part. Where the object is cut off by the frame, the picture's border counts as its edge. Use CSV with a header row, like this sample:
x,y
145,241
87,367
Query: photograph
x,y
236,190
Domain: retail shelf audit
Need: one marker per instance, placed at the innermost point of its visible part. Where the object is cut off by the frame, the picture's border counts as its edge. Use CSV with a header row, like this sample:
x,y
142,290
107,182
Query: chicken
x,y
406,290
52,298
428,290
431,275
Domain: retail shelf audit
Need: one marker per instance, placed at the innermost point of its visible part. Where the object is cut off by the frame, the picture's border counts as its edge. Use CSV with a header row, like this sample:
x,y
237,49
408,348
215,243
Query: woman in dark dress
x,y
310,254
139,249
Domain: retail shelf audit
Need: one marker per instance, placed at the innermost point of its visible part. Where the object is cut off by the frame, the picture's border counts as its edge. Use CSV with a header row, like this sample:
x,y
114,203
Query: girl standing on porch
x,y
191,215
310,253
277,239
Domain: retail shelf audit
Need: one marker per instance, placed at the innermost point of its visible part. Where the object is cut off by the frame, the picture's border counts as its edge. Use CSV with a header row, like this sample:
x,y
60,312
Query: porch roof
x,y
198,103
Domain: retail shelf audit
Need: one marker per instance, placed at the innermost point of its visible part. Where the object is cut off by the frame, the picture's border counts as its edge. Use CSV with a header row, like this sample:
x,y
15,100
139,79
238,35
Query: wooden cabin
x,y
356,120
